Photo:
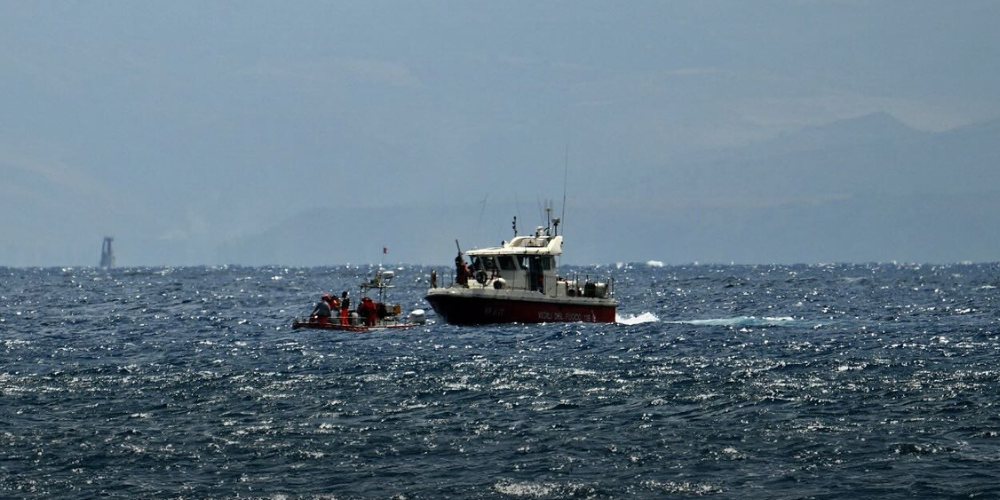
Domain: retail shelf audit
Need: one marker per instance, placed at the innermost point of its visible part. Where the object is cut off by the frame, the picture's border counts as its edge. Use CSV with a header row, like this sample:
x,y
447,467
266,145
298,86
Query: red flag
x,y
385,250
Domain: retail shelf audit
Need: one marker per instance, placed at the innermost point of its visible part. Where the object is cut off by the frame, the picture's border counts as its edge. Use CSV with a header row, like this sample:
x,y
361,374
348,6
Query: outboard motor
x,y
417,317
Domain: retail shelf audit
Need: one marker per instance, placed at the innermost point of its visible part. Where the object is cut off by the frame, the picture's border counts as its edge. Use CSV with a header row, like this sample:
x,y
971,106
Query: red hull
x,y
466,310
345,328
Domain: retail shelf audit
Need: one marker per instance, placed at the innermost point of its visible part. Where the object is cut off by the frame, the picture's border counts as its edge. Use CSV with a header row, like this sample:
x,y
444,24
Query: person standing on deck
x,y
462,272
345,308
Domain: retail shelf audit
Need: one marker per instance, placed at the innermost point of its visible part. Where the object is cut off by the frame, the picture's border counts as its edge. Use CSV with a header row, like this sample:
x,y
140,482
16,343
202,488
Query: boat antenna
x,y
517,204
482,209
548,215
562,217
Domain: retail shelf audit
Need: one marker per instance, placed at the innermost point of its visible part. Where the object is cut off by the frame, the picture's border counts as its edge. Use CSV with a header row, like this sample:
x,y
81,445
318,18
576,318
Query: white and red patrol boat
x,y
517,282
370,314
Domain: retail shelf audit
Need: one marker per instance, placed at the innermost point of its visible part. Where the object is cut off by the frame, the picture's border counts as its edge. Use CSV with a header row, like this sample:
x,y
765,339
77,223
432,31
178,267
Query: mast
x,y
565,182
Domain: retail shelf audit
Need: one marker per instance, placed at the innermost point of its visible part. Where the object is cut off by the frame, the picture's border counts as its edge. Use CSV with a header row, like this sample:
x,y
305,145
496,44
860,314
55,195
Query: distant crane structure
x,y
107,253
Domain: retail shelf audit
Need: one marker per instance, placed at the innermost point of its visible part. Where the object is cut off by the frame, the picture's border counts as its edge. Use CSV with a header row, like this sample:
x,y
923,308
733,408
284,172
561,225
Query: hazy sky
x,y
179,126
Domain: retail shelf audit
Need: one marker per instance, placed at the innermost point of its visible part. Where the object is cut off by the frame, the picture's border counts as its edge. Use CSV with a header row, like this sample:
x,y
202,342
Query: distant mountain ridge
x,y
873,128
862,156
864,189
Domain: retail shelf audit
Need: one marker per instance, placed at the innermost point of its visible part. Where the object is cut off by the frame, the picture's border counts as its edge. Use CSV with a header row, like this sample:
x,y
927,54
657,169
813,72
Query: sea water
x,y
729,382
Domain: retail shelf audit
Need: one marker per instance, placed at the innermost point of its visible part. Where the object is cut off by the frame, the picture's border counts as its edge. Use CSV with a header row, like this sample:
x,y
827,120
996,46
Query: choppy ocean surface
x,y
728,382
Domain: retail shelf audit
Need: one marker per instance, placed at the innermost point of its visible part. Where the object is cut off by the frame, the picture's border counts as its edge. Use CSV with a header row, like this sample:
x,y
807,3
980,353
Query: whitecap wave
x,y
654,263
541,489
524,489
635,319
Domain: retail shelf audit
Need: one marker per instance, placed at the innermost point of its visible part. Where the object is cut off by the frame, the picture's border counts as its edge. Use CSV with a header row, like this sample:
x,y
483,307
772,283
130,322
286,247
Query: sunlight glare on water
x,y
716,381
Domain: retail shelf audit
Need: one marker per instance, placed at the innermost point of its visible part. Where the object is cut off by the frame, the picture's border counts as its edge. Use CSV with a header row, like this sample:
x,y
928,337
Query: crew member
x,y
368,311
321,313
372,313
462,271
345,308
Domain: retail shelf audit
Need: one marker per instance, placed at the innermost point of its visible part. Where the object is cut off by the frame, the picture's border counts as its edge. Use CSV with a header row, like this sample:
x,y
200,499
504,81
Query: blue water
x,y
728,382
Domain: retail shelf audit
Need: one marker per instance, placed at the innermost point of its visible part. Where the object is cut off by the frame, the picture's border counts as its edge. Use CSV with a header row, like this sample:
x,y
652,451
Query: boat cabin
x,y
527,263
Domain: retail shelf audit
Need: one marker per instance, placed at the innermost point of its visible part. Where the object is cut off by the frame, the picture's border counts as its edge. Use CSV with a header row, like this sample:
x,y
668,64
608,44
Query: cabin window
x,y
546,262
507,263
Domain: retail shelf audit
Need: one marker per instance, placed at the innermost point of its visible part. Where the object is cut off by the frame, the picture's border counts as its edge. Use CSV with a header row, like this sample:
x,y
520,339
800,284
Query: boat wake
x,y
739,321
636,319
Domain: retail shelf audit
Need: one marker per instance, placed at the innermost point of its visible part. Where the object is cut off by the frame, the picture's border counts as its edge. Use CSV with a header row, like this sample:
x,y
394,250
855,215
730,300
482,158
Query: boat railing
x,y
573,285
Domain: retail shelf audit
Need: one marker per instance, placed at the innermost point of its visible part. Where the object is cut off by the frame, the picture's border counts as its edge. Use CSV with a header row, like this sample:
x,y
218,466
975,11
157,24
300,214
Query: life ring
x,y
481,277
